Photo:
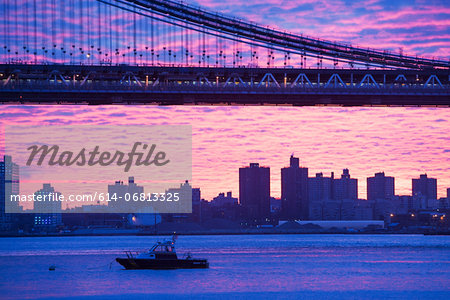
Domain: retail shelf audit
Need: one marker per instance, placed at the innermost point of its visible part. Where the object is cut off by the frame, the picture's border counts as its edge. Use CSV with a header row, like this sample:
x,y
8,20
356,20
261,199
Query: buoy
x,y
52,268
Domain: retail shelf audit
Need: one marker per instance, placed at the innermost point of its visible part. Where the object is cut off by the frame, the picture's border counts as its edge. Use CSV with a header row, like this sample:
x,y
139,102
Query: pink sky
x,y
402,142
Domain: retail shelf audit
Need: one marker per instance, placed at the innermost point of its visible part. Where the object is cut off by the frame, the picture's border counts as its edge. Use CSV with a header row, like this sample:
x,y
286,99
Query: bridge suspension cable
x,y
169,33
272,37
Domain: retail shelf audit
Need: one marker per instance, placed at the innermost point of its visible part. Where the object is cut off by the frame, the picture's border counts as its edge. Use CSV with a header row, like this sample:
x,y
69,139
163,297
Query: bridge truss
x,y
167,52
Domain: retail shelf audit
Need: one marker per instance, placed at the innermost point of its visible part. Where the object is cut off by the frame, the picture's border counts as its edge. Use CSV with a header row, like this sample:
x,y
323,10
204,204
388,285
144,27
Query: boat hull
x,y
162,264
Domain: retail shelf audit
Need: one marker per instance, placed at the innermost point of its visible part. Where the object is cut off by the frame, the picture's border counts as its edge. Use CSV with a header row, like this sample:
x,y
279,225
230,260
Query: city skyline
x,y
381,186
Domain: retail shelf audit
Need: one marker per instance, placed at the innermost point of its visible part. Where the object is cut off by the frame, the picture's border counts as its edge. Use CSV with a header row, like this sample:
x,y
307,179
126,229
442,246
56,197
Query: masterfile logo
x,y
118,169
95,157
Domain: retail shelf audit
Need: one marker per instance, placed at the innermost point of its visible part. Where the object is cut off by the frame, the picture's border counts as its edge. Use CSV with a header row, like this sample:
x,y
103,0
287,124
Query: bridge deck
x,y
83,84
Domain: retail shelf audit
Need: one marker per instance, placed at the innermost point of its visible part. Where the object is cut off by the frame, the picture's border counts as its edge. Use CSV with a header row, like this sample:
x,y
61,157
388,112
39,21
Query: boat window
x,y
163,249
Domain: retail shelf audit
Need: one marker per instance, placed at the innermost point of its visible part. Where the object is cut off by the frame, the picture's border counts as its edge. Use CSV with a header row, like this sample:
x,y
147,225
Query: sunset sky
x,y
402,142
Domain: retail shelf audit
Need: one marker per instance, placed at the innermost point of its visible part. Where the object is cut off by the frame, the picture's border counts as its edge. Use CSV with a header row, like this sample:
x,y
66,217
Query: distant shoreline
x,y
221,233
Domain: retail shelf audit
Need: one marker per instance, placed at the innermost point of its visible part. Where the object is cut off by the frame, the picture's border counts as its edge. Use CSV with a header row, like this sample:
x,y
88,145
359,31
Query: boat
x,y
161,256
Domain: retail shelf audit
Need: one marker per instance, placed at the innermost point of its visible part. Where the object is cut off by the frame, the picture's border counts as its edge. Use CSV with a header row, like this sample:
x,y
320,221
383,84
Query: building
x,y
320,195
9,185
381,193
380,187
403,204
426,189
320,188
335,199
222,200
196,205
363,210
345,188
254,191
48,210
275,206
443,203
189,202
294,191
225,206
345,193
119,193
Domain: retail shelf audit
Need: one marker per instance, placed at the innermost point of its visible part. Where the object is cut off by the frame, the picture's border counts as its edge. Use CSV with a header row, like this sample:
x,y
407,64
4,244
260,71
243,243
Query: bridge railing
x,y
188,87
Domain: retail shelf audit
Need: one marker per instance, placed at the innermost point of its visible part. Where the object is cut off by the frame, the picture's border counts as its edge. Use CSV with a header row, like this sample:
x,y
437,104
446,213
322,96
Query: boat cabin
x,y
167,246
161,250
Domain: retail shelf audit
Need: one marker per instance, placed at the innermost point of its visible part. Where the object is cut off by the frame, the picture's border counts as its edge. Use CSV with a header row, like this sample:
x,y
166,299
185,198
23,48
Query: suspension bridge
x,y
173,53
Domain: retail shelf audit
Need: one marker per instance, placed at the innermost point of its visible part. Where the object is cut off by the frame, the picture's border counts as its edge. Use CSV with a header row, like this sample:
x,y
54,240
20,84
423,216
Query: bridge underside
x,y
222,98
99,85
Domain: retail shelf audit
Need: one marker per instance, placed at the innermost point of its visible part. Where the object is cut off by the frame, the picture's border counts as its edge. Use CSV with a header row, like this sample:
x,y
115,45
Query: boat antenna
x,y
174,238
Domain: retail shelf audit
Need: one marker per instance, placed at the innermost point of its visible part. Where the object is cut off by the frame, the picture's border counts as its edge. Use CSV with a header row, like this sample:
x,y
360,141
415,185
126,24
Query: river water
x,y
241,266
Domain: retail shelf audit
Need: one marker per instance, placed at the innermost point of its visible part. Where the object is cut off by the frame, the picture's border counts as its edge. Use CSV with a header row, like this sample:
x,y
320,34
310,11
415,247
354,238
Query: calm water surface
x,y
244,266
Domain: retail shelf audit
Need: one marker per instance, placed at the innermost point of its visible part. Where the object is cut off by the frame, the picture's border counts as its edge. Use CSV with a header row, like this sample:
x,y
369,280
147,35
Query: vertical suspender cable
x,y
169,43
26,45
53,25
71,30
182,31
125,34
153,40
157,45
164,38
199,48
88,29
204,46
81,31
7,32
146,41
186,47
35,31
63,31
217,51
116,35
100,18
16,45
44,27
110,35
134,34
